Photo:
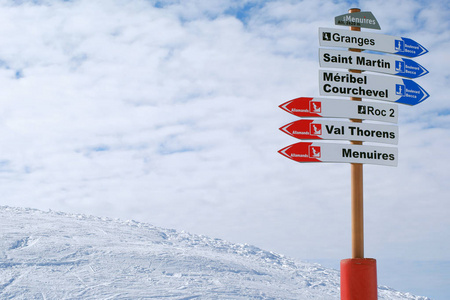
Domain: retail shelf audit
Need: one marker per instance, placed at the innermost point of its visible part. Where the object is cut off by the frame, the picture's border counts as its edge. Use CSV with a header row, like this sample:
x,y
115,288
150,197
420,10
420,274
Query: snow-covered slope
x,y
51,255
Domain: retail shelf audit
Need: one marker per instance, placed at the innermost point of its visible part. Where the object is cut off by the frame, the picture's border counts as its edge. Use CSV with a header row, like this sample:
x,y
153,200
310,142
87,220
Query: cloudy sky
x,y
166,112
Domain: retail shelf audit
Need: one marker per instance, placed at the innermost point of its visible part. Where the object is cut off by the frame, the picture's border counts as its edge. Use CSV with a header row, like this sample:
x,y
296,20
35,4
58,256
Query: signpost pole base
x,y
359,279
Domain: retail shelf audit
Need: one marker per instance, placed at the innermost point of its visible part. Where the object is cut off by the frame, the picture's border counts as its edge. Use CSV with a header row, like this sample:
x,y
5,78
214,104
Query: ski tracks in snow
x,y
50,255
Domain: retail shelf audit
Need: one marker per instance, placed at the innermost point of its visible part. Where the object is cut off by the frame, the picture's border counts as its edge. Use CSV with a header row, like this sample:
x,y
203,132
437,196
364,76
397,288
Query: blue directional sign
x,y
408,47
331,37
389,64
409,68
385,88
410,92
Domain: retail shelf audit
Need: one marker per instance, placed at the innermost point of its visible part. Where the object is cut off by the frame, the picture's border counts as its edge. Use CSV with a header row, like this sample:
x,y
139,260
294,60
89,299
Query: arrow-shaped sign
x,y
330,37
335,130
386,88
371,62
338,108
346,153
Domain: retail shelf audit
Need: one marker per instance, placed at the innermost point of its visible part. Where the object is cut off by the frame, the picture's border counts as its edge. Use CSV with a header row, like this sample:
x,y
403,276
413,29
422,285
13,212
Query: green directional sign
x,y
358,19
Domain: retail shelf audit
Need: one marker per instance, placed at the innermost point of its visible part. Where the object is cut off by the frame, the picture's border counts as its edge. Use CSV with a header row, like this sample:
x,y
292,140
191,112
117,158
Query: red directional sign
x,y
336,130
339,108
302,152
344,153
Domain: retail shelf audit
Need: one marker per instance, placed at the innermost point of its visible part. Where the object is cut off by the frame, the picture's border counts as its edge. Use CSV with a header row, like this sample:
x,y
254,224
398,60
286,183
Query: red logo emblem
x,y
315,107
314,151
315,129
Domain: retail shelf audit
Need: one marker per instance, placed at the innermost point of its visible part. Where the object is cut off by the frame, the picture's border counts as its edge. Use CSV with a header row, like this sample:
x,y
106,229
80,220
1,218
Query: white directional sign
x,y
345,153
371,62
336,130
338,108
330,37
386,88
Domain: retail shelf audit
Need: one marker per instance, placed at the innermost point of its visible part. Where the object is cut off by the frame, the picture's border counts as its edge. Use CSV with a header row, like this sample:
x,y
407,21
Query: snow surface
x,y
53,255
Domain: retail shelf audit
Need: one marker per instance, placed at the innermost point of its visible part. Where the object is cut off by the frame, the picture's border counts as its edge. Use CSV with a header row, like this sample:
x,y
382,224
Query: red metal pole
x,y
359,279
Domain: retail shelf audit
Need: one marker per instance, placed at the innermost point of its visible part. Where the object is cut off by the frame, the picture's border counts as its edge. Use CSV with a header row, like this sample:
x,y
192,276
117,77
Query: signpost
x,y
330,37
336,130
358,274
371,62
341,153
313,107
378,87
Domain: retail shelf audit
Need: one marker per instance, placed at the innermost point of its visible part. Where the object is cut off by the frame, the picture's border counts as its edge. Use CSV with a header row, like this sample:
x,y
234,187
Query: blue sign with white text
x,y
409,47
410,92
409,68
